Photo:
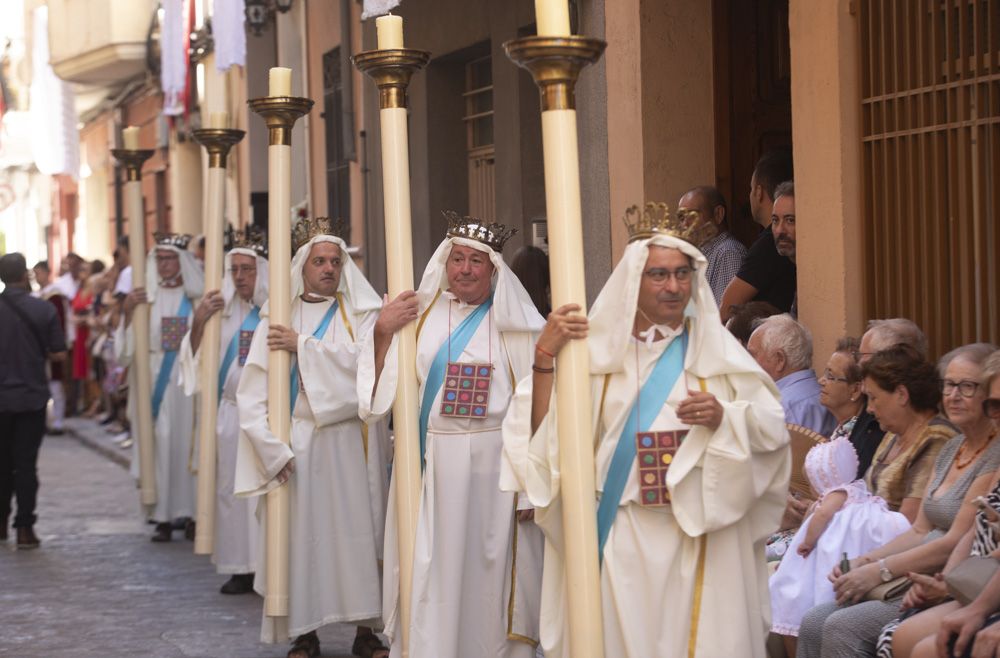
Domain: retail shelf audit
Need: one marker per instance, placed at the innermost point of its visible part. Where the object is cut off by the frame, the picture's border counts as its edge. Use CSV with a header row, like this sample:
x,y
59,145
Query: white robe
x,y
174,428
337,494
463,604
236,527
726,486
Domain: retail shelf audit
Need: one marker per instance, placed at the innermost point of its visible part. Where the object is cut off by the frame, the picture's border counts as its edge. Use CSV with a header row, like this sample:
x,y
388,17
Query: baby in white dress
x,y
846,518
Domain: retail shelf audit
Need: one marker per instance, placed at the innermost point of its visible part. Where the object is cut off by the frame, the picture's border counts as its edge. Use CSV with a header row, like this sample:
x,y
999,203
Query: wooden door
x,y
753,100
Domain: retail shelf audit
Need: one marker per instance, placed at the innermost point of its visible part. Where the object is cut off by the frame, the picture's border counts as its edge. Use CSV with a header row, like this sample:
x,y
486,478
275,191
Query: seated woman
x,y
903,392
840,392
972,377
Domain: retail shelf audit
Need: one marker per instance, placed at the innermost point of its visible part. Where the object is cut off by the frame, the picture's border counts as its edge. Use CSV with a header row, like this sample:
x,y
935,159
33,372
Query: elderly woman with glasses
x,y
842,392
902,390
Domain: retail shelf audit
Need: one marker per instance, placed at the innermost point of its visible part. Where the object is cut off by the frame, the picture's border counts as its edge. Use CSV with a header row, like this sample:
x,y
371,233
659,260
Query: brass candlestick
x,y
217,141
392,70
133,160
280,114
555,63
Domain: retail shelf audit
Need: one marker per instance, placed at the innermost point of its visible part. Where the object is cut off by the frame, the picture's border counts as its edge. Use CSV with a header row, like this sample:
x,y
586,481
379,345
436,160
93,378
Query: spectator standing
x,y
765,274
54,295
724,253
30,334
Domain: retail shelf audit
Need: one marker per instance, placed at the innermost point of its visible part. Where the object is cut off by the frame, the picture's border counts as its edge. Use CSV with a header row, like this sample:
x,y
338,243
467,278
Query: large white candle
x,y
218,120
280,80
552,17
389,30
130,137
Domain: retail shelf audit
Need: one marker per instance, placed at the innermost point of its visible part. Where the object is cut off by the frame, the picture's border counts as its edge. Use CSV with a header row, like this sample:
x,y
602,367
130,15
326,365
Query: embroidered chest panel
x,y
655,452
172,331
466,391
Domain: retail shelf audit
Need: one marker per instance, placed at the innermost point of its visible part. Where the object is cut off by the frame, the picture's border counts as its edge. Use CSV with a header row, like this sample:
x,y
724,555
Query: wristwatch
x,y
883,571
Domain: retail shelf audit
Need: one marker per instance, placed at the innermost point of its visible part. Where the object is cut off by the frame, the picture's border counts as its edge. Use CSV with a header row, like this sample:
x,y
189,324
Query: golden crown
x,y
179,240
656,219
306,229
251,237
494,235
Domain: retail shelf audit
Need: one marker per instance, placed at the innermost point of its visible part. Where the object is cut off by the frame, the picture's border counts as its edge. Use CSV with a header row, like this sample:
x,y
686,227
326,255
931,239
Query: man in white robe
x,y
244,291
468,598
174,284
336,466
689,484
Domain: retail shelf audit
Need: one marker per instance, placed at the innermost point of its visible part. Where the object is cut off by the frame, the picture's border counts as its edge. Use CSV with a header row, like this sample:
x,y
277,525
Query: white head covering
x,y
229,288
193,276
354,287
712,350
831,465
514,310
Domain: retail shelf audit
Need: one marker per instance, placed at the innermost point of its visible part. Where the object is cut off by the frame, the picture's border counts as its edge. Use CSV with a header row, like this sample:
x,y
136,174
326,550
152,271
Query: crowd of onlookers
x,y
87,297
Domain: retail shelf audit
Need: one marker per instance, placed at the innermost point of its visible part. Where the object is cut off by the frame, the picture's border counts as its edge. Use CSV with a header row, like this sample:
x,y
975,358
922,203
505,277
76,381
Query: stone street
x,y
98,588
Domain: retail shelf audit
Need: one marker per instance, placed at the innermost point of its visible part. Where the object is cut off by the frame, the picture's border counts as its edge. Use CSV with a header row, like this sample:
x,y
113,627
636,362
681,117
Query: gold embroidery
x,y
699,578
699,583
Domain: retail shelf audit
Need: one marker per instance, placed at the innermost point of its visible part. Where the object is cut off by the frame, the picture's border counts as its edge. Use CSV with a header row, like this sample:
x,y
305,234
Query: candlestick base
x,y
133,160
555,64
280,114
391,70
217,141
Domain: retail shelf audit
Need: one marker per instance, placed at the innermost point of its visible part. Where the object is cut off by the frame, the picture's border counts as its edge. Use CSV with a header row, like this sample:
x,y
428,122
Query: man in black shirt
x,y
30,335
765,274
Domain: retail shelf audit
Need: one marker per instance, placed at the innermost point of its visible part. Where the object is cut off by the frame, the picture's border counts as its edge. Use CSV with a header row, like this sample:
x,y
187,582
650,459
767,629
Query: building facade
x,y
892,109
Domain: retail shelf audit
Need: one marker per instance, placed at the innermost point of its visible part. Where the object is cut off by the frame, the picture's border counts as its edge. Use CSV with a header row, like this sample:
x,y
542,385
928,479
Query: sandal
x,y
305,646
369,646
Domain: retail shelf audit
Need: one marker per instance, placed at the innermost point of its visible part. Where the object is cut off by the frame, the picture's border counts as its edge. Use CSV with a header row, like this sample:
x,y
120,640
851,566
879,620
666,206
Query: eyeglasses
x,y
242,269
829,376
965,388
662,275
991,408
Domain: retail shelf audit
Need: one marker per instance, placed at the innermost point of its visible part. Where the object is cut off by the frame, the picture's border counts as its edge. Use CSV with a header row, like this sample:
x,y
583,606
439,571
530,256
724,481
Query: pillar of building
x,y
826,133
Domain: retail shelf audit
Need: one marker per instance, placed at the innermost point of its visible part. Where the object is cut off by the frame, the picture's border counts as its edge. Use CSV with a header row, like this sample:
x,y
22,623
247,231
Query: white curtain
x,y
173,59
229,34
55,141
373,8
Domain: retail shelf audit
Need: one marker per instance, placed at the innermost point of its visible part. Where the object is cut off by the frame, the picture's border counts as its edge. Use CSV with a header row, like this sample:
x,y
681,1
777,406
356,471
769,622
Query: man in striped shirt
x,y
724,252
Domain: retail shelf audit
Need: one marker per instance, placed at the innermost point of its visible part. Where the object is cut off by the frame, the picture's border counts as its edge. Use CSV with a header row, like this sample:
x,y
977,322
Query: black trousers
x,y
20,437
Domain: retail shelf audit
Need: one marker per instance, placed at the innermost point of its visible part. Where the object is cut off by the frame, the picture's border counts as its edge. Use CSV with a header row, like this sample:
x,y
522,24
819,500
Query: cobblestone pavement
x,y
98,588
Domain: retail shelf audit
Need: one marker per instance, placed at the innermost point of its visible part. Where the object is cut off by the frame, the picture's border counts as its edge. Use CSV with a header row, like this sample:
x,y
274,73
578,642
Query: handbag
x,y
969,577
890,590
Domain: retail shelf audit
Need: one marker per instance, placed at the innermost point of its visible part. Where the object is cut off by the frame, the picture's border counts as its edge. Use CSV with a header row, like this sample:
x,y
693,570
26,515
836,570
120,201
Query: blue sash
x,y
650,401
320,330
250,323
458,341
167,366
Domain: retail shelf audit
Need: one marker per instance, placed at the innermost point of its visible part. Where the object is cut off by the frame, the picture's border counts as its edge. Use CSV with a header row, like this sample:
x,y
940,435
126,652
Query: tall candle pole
x,y
280,111
217,140
392,66
555,62
133,157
